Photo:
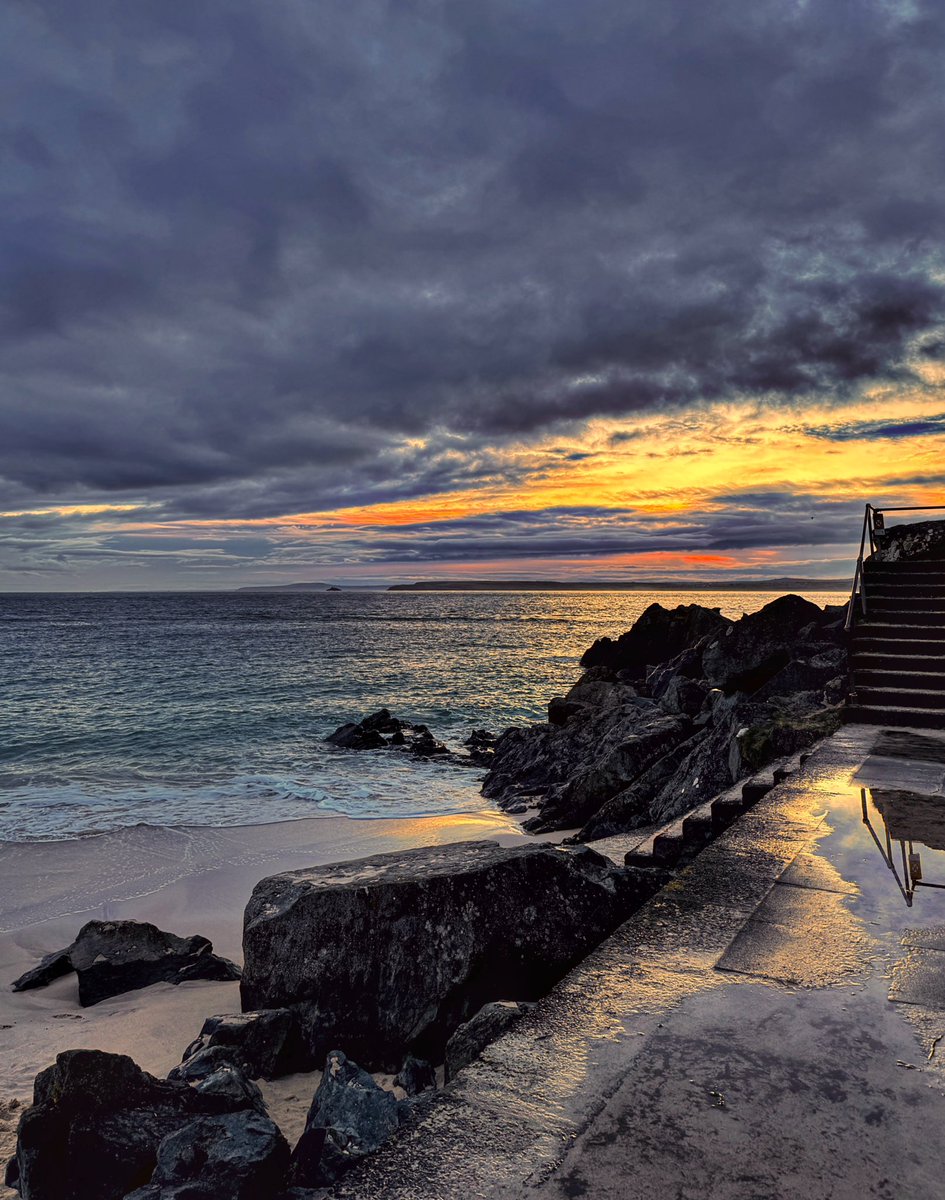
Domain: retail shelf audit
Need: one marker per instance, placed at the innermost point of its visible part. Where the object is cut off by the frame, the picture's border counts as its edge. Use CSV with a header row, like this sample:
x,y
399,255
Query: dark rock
x,y
95,1125
352,736
684,696
919,542
658,635
751,651
560,710
11,1174
423,938
351,1116
631,807
198,1064
803,675
52,966
232,1087
382,722
112,957
425,745
472,1037
576,801
265,1043
415,1076
481,747
780,736
349,1102
238,1156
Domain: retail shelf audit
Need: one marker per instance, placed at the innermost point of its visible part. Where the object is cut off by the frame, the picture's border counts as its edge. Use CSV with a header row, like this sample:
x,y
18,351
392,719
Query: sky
x,y
400,289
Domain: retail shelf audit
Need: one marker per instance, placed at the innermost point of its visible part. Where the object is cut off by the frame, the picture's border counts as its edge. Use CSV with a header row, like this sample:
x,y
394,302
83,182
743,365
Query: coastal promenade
x,y
768,1026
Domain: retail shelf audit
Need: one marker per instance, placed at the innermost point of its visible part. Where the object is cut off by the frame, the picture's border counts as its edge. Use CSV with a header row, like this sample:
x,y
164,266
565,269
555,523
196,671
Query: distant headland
x,y
582,585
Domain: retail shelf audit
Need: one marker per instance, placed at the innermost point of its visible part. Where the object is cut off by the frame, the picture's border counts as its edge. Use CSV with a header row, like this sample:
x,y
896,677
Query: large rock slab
x,y
112,957
95,1125
391,953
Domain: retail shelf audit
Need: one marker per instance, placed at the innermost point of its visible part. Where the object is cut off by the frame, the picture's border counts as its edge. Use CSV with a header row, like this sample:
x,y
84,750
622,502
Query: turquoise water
x,y
210,709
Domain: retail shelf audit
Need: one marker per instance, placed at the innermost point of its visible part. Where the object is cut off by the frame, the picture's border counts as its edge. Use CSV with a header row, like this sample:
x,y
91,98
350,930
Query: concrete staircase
x,y
897,656
679,842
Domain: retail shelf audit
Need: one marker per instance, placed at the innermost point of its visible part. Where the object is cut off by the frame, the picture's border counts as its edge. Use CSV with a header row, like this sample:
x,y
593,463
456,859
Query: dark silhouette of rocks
x,y
673,712
112,957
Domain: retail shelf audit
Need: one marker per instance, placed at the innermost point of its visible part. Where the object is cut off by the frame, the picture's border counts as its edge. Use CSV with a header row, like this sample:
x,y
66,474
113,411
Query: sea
x,y
197,709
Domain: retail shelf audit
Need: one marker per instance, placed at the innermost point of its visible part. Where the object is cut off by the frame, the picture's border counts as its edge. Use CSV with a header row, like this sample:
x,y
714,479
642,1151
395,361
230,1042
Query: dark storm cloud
x,y
251,248
854,431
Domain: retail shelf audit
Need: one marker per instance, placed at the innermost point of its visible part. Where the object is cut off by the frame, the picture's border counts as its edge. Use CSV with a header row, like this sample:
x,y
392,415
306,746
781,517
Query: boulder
x,y
390,953
415,1076
472,1037
237,1156
658,635
112,957
265,1043
95,1125
751,651
919,542
351,1116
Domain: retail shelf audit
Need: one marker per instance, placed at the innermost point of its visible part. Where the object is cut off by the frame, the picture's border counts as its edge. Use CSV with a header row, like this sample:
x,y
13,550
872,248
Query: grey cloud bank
x,y
252,254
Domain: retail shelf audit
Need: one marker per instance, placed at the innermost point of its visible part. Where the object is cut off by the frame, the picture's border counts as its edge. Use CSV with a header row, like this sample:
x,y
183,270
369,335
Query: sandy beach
x,y
190,880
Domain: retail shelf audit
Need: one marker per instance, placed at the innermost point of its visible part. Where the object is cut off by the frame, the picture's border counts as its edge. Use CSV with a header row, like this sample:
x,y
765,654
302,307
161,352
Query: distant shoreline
x,y
557,585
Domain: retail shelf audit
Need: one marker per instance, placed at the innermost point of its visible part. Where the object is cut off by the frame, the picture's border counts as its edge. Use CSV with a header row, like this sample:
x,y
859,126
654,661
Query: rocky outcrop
x,y
93,1130
238,1156
472,1037
382,731
390,954
922,541
112,957
656,636
264,1044
619,751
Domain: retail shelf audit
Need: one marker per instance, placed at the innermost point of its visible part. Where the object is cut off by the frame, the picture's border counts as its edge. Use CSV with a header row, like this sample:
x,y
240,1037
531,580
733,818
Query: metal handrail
x,y
858,573
869,528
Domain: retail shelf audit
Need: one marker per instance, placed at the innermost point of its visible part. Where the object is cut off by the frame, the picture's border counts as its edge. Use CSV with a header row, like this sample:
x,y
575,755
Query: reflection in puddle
x,y
905,819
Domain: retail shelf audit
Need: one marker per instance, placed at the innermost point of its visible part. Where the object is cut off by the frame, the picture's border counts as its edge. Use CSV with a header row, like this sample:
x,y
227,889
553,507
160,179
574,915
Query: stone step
x,y
888,676
889,697
903,718
930,566
905,591
687,835
882,613
925,664
897,648
904,609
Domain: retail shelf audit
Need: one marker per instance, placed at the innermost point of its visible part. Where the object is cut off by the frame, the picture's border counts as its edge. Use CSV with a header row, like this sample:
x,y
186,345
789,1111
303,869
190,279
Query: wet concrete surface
x,y
768,1026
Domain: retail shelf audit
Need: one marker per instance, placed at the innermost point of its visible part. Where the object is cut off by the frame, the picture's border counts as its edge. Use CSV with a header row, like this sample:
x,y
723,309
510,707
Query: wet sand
x,y
194,880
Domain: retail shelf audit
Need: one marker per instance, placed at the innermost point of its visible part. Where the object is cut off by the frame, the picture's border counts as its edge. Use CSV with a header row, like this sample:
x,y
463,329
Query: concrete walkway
x,y
767,1027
